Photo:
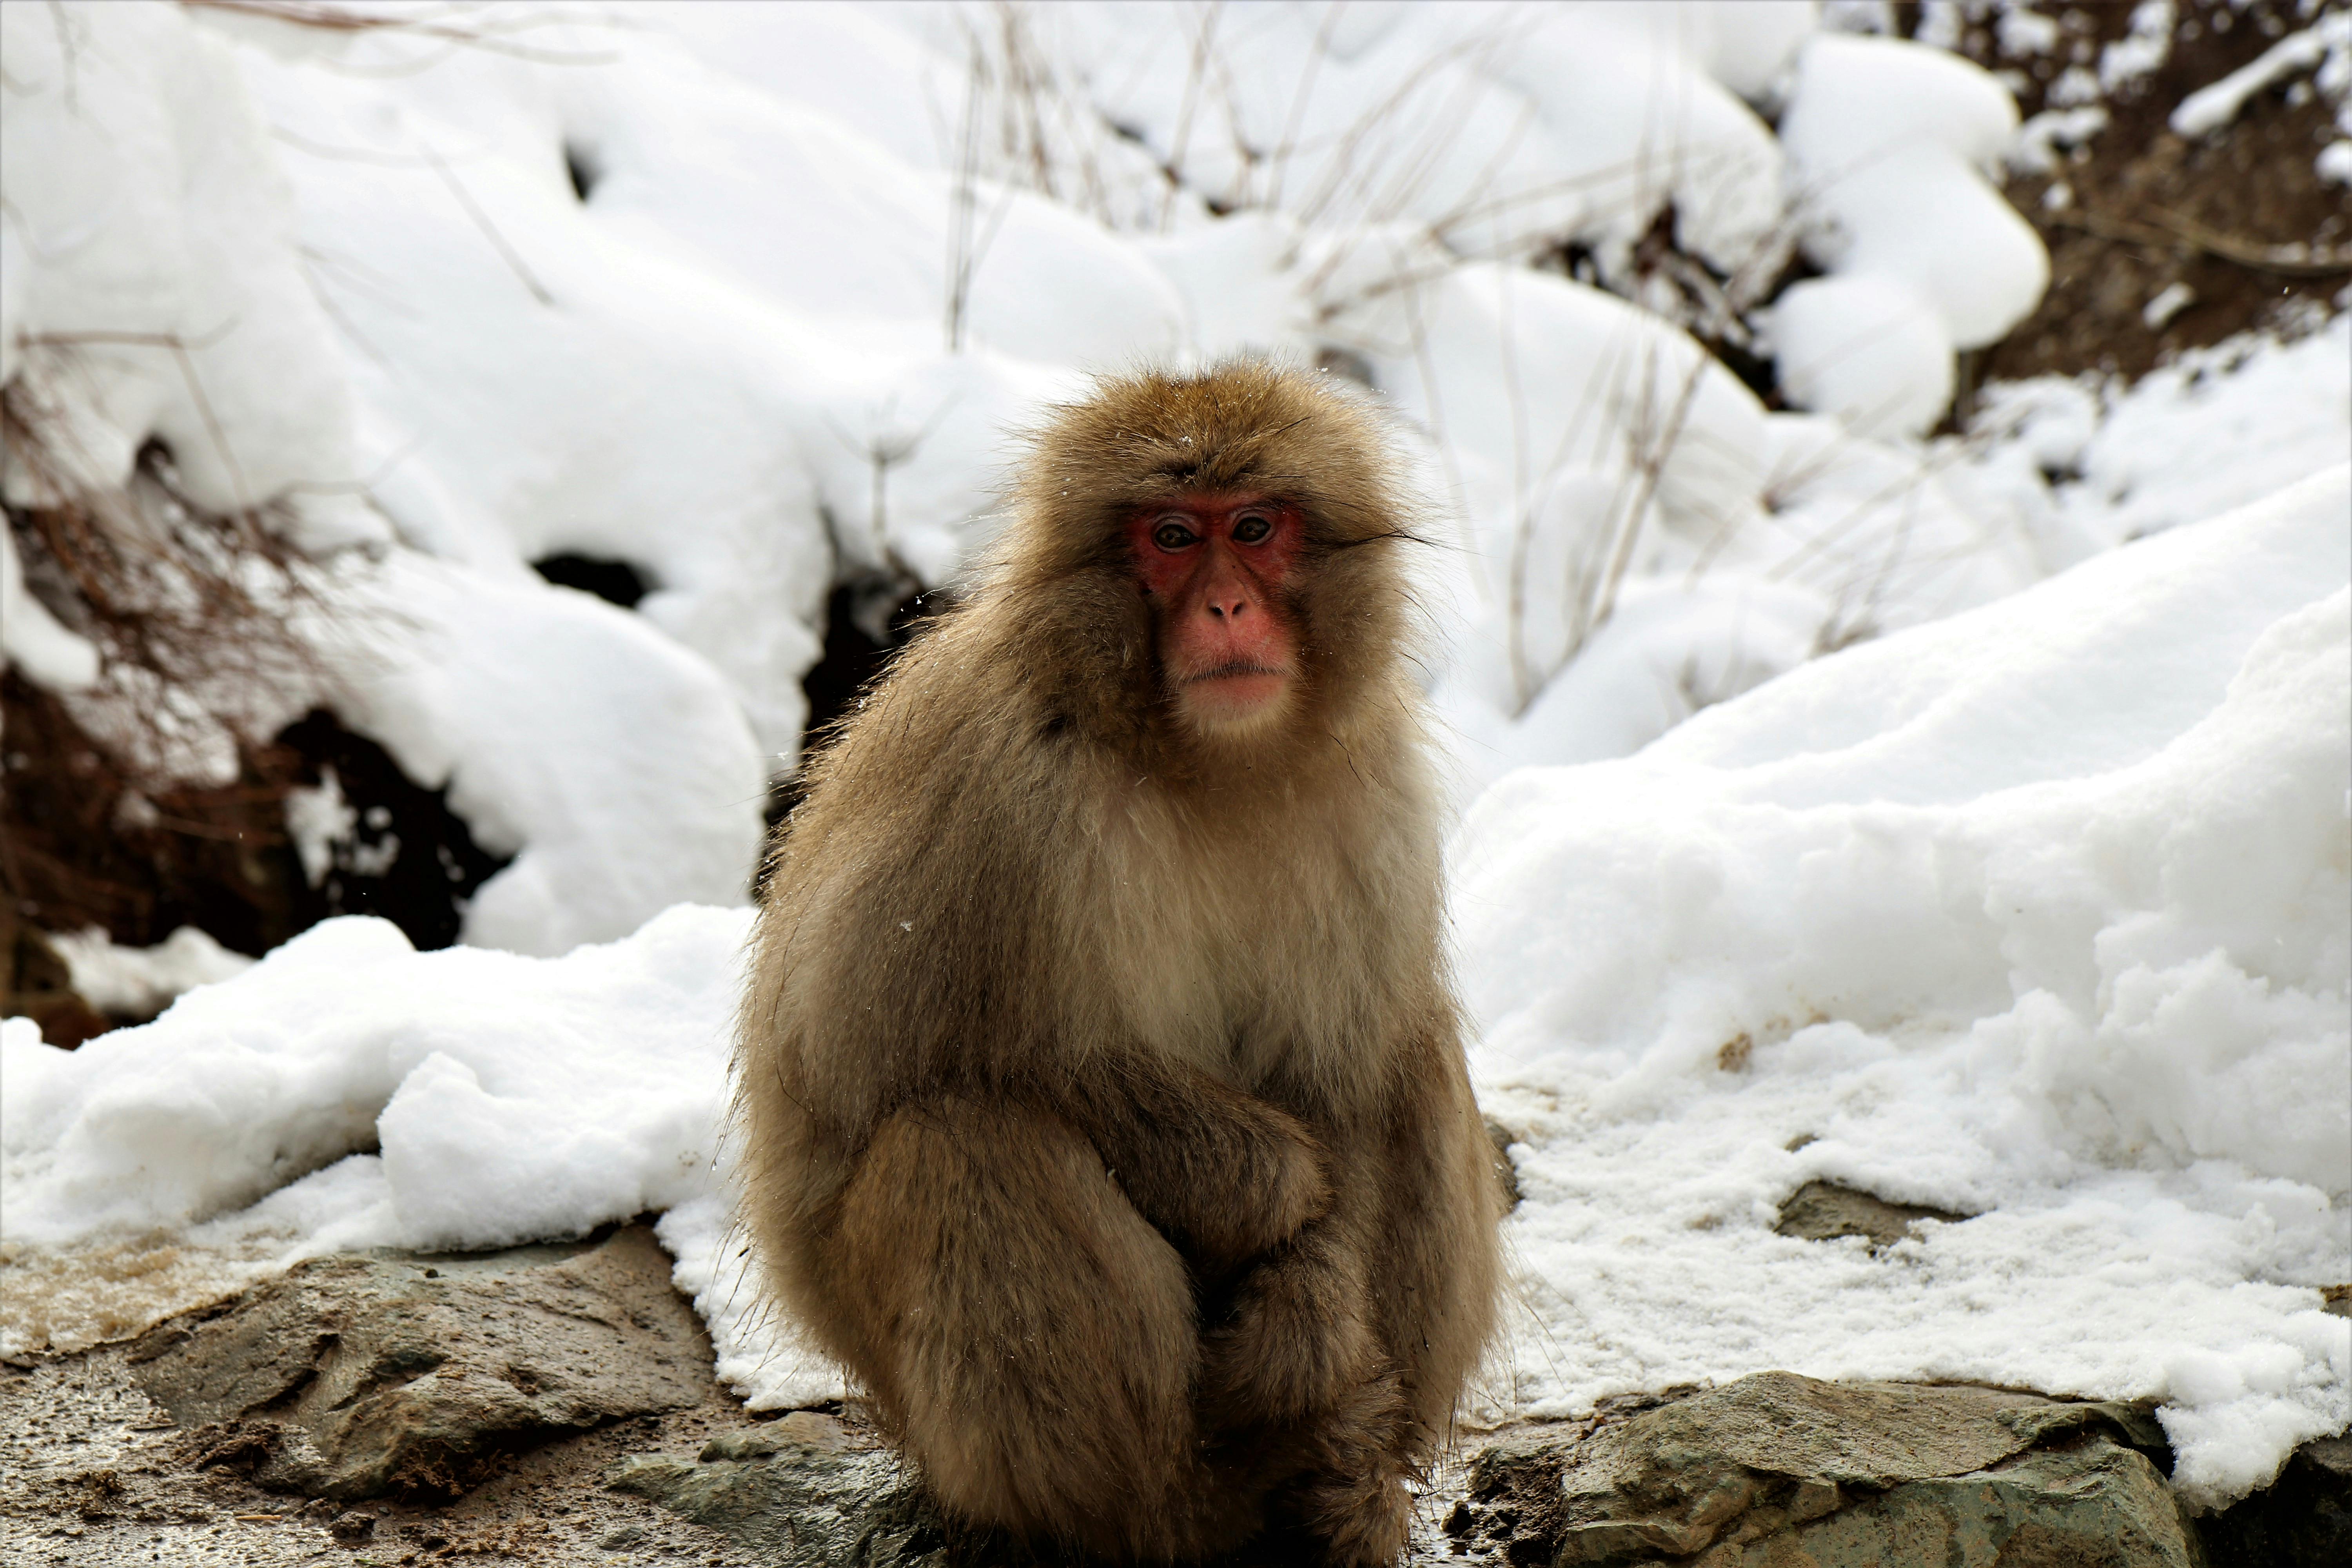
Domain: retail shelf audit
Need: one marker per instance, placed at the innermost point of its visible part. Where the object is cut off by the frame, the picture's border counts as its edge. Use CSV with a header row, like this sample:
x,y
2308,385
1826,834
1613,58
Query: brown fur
x,y
1100,1085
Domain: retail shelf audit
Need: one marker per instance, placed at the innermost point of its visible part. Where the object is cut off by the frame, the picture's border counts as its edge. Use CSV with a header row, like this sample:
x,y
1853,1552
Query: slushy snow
x,y
2041,913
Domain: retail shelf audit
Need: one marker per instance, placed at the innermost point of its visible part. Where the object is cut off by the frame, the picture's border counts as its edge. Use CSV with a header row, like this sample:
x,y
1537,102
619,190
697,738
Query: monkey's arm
x,y
1226,1174
1395,1284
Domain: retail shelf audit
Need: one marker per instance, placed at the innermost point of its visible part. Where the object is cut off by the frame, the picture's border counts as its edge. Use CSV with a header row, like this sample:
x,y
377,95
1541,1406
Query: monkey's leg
x,y
1030,1335
1439,1261
1298,1370
1431,1262
1297,1334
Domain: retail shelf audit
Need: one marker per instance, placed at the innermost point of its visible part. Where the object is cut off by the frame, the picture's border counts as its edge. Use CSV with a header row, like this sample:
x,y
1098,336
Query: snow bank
x,y
138,982
597,296
747,298
2041,914
1638,538
151,296
153,290
166,282
1889,145
616,763
2212,429
1488,124
460,1099
2085,463
348,1091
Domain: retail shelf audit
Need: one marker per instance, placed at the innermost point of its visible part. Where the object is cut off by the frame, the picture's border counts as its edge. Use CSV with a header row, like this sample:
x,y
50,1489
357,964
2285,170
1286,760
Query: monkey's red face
x,y
1214,567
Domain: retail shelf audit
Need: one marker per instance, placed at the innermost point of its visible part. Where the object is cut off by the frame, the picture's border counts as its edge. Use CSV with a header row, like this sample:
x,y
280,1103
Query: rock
x,y
1820,1211
804,1491
352,1527
2303,1519
1506,1172
1781,1470
356,1376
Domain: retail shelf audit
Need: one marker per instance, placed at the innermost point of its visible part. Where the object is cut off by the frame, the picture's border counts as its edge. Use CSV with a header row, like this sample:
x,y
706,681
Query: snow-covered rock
x,y
2040,913
1890,147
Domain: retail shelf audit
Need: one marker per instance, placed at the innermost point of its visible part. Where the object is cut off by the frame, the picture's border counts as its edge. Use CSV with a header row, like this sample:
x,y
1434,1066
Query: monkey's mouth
x,y
1238,690
1236,669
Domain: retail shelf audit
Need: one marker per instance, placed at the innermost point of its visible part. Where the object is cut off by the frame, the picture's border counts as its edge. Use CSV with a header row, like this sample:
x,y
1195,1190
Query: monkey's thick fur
x,y
1100,1089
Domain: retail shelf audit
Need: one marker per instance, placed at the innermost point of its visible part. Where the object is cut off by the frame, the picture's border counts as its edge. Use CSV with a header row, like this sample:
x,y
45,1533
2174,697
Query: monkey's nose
x,y
1228,610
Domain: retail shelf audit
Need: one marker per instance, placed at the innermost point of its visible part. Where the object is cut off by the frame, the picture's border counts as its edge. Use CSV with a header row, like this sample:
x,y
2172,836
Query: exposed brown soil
x,y
2144,208
82,845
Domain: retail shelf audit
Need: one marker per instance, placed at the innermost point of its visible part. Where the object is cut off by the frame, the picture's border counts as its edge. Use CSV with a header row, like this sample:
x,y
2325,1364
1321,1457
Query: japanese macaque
x,y
1100,1089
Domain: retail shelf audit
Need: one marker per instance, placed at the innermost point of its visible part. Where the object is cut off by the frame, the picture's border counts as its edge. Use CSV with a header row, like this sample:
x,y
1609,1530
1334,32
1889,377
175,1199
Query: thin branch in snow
x,y
490,34
490,230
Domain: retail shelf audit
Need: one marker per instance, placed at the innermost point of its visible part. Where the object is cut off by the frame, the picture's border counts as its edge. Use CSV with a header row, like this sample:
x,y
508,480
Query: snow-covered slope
x,y
2040,914
750,298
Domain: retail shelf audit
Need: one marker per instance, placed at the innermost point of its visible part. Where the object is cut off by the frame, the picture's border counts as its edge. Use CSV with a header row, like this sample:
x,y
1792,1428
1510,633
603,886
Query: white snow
x,y
2210,108
2002,899
1889,145
614,764
31,637
458,1099
154,289
2039,913
2165,303
349,1091
319,819
2086,464
138,982
2040,141
2146,44
699,289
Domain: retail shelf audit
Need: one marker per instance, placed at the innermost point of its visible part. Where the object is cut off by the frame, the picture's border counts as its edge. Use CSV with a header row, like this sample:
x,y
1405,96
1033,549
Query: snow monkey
x,y
1100,1087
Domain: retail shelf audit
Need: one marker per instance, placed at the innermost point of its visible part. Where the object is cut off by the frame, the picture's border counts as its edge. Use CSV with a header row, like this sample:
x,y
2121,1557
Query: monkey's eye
x,y
1172,535
1251,527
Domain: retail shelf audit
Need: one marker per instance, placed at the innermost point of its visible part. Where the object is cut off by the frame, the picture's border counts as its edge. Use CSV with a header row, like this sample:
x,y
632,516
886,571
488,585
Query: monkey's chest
x,y
1232,972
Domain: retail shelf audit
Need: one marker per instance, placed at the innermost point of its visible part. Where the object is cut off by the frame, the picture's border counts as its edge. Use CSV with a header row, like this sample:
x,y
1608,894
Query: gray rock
x,y
1781,1470
804,1491
361,1376
2303,1519
1822,1211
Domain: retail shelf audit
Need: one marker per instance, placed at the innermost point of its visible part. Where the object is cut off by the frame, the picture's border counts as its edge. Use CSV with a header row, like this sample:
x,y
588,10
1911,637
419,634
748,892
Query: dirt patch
x,y
93,1474
82,845
2136,210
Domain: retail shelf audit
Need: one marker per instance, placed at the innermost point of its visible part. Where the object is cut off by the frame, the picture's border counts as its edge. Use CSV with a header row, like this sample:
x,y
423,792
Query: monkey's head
x,y
1213,552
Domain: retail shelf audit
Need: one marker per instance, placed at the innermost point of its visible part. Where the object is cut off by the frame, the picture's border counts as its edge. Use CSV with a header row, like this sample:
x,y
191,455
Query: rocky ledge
x,y
553,1404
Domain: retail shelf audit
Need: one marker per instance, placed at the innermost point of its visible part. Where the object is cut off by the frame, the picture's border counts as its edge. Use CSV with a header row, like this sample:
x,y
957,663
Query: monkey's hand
x,y
1224,1175
1297,1339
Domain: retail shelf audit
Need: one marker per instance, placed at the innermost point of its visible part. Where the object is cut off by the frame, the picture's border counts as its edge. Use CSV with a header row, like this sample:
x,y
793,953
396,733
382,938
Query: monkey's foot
x,y
1363,1520
1296,1343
